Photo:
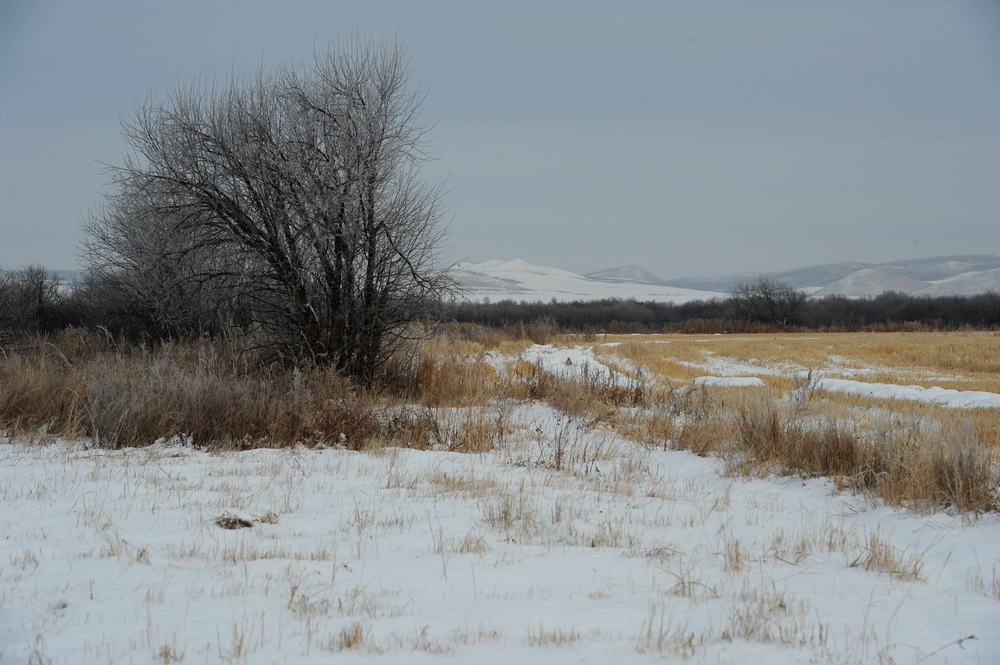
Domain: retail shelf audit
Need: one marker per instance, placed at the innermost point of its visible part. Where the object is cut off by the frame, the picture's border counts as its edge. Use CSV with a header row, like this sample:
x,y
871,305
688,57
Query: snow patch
x,y
578,362
961,399
729,381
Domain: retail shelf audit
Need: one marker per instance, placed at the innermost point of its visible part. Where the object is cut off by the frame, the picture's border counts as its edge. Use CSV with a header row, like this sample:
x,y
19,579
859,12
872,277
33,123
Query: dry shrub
x,y
488,338
129,410
694,418
895,458
595,390
209,394
774,433
555,637
135,397
661,633
762,428
652,427
704,420
41,393
136,404
541,330
531,382
330,409
450,379
948,466
480,431
829,450
957,471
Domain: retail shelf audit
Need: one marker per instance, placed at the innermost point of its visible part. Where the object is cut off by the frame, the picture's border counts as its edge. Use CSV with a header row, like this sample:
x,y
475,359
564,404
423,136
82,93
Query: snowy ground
x,y
624,555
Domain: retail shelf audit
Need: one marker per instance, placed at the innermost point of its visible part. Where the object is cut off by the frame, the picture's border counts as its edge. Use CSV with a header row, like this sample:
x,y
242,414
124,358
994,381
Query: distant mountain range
x,y
871,281
934,276
865,279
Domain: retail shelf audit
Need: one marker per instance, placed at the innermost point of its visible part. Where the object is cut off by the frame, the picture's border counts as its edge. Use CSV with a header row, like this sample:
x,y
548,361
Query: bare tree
x,y
290,201
149,274
765,300
27,297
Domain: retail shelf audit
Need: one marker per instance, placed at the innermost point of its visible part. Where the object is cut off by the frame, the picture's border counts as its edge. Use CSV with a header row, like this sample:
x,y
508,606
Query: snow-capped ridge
x,y
929,271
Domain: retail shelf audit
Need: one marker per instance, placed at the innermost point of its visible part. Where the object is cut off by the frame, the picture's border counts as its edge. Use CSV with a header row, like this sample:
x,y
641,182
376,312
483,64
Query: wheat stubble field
x,y
708,499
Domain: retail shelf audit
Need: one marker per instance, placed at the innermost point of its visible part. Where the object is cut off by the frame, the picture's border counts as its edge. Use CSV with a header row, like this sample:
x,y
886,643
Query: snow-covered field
x,y
624,554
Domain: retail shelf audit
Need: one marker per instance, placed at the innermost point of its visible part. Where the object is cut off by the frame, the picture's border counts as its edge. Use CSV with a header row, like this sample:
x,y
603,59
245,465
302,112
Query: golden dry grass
x,y
959,360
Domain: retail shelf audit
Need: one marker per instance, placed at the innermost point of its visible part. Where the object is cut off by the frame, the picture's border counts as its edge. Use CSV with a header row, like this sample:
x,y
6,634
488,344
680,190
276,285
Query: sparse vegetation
x,y
562,457
458,393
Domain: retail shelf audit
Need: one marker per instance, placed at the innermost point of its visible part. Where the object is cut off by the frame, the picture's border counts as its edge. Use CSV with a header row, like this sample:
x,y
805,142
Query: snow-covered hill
x,y
520,280
976,282
869,282
965,275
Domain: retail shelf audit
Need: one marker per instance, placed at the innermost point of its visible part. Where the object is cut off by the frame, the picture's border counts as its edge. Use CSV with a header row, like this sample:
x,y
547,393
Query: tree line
x,y
890,311
33,301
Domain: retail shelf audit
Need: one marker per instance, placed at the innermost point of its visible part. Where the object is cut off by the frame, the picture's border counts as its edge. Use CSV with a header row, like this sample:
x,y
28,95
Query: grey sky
x,y
691,138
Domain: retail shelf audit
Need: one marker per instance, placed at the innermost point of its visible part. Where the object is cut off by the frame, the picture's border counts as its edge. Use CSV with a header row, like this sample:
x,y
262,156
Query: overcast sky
x,y
692,138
